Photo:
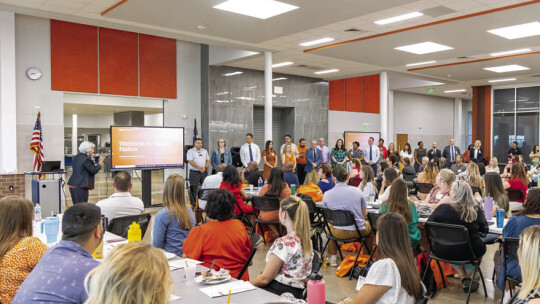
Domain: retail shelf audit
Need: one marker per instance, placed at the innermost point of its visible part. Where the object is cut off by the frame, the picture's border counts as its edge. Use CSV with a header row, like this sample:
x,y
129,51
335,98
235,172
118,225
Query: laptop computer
x,y
51,166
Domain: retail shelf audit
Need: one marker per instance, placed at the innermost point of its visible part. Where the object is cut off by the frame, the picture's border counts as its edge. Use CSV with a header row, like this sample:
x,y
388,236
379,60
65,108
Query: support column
x,y
8,100
74,147
459,132
481,118
205,96
384,105
390,116
267,96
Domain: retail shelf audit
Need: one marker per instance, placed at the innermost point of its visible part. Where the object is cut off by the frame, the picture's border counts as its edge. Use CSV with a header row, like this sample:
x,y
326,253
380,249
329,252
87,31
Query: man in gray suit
x,y
450,153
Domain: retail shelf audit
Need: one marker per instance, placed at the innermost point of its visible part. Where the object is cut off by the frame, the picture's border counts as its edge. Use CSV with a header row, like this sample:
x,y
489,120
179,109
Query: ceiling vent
x,y
438,11
309,67
535,75
355,31
463,58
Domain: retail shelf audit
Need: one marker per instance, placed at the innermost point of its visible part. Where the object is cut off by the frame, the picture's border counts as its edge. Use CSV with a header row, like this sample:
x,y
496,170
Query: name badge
x,y
459,170
439,196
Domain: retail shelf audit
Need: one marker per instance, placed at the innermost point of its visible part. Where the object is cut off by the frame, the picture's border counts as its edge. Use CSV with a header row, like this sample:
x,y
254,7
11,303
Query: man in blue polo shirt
x,y
59,275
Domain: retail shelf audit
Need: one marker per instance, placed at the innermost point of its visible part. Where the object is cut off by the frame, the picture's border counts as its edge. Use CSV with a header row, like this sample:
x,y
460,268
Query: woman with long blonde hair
x,y
288,262
493,166
368,184
288,156
428,176
529,262
133,273
173,223
474,177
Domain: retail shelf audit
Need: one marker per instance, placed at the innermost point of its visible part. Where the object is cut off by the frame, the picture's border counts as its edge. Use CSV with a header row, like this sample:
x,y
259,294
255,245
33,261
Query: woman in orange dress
x,y
19,250
269,156
288,156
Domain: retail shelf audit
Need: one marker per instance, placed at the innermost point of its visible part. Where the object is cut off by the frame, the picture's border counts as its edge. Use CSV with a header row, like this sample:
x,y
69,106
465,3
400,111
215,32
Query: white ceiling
x,y
322,18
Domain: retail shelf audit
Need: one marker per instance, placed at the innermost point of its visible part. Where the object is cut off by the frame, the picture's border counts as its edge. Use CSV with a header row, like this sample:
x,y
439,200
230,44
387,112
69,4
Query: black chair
x,y
452,235
409,177
314,215
255,240
510,248
372,218
355,181
515,195
423,187
476,189
316,264
264,203
243,217
202,195
342,218
120,225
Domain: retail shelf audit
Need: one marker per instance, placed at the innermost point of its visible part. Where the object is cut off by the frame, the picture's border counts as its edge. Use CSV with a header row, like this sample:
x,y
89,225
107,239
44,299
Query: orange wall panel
x,y
157,59
336,95
74,57
353,94
118,62
371,94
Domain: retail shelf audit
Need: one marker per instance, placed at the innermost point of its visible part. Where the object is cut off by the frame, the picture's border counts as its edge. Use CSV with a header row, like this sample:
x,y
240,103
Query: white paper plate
x,y
199,279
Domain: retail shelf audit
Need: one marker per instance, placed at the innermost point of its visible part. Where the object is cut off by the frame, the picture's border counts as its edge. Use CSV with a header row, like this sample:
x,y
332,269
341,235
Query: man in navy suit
x,y
84,171
313,161
434,152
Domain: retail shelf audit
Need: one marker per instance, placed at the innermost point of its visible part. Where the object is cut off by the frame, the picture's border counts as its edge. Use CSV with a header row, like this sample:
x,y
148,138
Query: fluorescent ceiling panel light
x,y
262,9
455,91
507,68
518,31
420,63
327,71
399,18
510,52
318,41
424,48
277,65
501,80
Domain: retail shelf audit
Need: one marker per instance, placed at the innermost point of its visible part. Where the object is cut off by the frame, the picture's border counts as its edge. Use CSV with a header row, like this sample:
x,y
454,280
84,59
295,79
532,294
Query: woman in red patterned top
x,y
19,251
288,262
232,183
518,179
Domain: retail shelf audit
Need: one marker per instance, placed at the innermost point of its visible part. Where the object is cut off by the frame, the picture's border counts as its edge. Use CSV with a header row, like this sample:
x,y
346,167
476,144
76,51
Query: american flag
x,y
36,145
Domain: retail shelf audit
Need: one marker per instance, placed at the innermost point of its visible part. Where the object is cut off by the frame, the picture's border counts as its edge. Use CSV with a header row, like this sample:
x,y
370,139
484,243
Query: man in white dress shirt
x,y
198,162
250,151
371,154
212,182
288,141
121,203
325,152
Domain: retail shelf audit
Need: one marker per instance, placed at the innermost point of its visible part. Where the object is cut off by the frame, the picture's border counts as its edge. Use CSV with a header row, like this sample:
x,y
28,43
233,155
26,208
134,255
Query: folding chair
x,y
202,194
120,225
255,240
372,218
510,248
264,203
423,187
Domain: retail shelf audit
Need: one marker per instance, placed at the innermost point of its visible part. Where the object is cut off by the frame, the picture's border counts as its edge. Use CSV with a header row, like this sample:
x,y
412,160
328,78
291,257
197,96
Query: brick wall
x,y
11,184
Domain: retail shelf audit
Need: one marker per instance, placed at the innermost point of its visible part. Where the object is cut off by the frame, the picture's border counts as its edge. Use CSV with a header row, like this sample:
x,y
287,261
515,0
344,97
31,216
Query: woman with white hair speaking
x,y
84,170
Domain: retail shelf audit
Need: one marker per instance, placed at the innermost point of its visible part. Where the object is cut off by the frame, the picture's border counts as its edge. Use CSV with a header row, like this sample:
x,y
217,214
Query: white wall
x,y
340,121
424,118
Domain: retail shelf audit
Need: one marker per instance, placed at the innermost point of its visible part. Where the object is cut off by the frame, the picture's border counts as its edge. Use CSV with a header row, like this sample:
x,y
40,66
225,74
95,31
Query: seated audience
x,y
528,216
399,203
290,177
428,176
59,275
389,176
355,171
535,156
225,239
380,168
393,278
440,194
529,261
408,171
459,168
518,179
326,181
442,163
494,188
173,223
19,250
231,182
534,173
343,197
122,278
462,210
493,166
482,168
288,262
508,168
425,161
368,185
393,162
251,174
474,178
121,203
276,187
212,182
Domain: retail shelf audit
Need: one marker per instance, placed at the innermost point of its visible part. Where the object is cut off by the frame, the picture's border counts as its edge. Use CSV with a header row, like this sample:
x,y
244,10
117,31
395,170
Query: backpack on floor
x,y
316,240
429,278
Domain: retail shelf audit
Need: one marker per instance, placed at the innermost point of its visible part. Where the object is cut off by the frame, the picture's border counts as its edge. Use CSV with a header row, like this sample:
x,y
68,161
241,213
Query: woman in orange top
x,y
269,156
276,187
225,239
19,251
288,156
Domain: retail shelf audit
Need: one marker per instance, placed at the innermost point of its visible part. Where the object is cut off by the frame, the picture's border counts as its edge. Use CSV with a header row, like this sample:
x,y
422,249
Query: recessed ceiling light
x,y
510,52
313,42
518,31
501,80
507,68
399,18
456,91
420,63
280,78
327,71
424,48
262,9
277,65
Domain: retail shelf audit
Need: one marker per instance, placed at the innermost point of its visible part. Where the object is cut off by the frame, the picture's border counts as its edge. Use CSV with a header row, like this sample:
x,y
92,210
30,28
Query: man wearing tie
x,y
325,151
249,151
450,153
371,154
313,161
434,152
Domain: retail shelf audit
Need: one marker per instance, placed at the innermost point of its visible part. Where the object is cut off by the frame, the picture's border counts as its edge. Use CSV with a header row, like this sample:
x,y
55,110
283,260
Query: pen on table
x,y
229,298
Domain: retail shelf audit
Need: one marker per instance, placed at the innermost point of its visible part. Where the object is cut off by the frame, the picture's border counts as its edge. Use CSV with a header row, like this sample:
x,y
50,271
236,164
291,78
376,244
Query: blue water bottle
x,y
500,218
260,183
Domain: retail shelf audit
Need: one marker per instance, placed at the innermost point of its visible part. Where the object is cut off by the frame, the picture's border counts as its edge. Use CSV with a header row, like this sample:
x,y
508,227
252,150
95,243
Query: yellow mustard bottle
x,y
134,232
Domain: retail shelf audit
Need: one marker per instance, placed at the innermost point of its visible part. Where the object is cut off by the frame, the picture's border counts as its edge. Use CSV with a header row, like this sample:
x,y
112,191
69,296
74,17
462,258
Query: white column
x,y
458,124
267,96
390,116
8,98
74,148
384,105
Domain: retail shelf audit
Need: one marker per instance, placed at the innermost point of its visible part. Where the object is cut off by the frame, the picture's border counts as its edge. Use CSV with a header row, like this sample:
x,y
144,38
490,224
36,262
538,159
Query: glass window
x,y
503,134
528,99
504,100
527,132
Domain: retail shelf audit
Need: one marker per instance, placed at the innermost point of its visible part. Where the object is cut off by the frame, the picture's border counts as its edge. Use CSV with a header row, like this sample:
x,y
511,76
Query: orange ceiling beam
x,y
113,7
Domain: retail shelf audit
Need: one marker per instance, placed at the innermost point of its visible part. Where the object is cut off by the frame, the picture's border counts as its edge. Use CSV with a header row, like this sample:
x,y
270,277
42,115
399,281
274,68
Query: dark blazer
x,y
431,154
84,170
310,160
216,158
480,156
446,154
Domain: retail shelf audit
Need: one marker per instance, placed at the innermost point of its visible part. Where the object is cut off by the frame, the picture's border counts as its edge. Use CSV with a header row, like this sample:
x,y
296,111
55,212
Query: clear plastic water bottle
x,y
37,213
260,182
372,197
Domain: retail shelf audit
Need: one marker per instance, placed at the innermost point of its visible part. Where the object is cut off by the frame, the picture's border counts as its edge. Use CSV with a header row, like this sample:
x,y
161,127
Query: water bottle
x,y
372,197
134,232
316,289
260,183
500,218
37,213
